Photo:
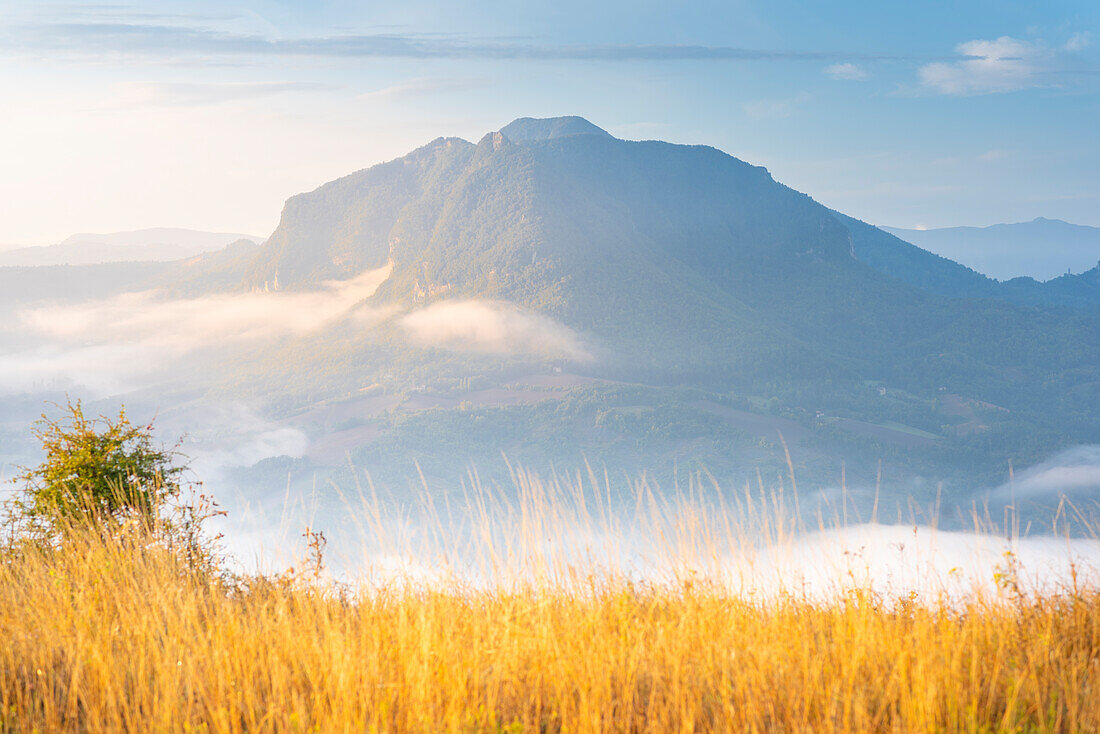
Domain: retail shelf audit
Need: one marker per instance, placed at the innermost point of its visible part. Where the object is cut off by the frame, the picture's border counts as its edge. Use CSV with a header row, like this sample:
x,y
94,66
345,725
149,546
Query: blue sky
x,y
210,114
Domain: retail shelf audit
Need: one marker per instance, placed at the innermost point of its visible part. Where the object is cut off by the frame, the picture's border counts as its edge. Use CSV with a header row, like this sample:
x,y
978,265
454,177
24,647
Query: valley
x,y
552,295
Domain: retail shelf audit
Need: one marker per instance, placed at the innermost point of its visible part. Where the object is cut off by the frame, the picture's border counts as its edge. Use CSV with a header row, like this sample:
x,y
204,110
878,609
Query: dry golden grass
x,y
101,637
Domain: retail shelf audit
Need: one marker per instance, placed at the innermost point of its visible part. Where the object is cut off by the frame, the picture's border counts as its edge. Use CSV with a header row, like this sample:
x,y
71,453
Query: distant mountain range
x,y
1041,249
145,245
937,274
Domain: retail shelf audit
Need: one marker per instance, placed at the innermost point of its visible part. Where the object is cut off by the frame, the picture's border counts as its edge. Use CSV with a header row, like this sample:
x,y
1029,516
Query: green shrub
x,y
107,473
97,469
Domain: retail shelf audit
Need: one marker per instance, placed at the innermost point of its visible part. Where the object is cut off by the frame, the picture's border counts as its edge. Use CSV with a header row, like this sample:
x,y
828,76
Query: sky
x,y
209,115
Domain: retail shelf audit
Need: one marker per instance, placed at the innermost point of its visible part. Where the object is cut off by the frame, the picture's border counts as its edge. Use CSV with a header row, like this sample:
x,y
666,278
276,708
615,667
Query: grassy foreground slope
x,y
107,637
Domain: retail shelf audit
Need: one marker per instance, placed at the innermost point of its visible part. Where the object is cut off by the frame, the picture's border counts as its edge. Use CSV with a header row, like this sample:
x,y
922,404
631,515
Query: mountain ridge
x,y
685,264
525,129
1041,248
157,244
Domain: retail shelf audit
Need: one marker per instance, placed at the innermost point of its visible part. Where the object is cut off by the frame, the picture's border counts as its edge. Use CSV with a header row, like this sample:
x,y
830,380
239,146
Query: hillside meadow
x,y
524,623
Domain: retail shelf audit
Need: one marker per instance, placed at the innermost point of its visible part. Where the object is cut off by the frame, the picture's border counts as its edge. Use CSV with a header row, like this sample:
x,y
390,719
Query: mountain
x,y
676,266
643,247
1041,249
889,254
554,292
1076,290
24,286
527,129
146,245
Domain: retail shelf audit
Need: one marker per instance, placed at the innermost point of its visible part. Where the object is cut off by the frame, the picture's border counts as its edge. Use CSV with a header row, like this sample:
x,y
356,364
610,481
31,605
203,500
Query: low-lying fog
x,y
140,348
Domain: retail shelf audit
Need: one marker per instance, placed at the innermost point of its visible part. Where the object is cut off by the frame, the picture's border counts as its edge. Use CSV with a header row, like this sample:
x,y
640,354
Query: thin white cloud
x,y
999,65
846,71
1002,65
492,327
1078,42
116,343
217,437
129,95
148,37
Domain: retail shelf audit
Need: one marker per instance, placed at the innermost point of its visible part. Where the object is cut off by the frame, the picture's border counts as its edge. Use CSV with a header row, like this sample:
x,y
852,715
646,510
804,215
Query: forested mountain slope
x,y
682,265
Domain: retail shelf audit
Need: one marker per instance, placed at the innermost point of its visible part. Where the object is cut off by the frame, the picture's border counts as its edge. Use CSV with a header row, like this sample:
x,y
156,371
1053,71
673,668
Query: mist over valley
x,y
553,297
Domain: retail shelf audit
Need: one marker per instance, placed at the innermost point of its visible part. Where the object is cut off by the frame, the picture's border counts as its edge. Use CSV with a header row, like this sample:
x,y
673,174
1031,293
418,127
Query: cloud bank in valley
x,y
181,325
897,559
104,344
102,368
493,327
1070,472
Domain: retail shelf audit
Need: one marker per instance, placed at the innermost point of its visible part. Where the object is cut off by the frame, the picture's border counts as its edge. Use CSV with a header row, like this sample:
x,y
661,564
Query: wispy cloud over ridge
x,y
162,39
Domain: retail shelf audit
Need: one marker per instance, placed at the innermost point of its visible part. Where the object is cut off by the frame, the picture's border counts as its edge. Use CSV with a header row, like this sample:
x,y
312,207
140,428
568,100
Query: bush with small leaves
x,y
97,469
107,473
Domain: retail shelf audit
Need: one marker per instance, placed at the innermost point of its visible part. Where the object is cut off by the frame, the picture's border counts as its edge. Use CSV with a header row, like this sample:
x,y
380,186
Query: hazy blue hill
x,y
162,244
20,286
224,270
221,270
1040,249
930,272
1066,290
